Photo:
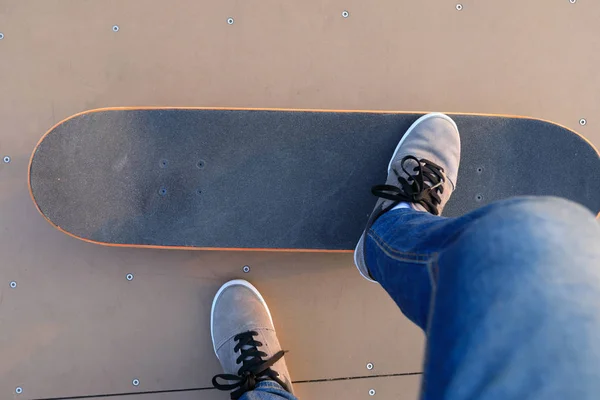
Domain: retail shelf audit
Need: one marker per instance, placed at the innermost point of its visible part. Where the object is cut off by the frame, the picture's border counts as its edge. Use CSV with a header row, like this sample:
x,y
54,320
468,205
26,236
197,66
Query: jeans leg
x,y
268,390
508,295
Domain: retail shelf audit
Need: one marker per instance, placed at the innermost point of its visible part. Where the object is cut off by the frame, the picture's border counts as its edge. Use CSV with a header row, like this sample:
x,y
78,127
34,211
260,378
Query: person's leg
x,y
246,344
509,297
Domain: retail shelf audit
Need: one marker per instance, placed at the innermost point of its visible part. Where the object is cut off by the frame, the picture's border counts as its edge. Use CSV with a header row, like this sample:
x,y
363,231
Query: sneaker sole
x,y
221,290
412,127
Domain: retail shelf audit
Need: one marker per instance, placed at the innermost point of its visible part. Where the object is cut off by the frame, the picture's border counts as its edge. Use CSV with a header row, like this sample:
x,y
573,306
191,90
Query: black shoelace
x,y
423,186
254,369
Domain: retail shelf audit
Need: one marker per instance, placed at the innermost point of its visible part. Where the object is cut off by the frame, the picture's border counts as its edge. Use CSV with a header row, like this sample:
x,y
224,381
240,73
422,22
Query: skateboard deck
x,y
275,179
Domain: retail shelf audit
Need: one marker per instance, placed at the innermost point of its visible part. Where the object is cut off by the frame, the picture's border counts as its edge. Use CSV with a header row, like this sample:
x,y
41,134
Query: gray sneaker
x,y
422,173
244,340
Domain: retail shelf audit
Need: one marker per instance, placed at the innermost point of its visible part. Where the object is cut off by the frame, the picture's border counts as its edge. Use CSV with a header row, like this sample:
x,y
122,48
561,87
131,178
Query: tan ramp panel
x,y
93,331
397,388
534,58
74,325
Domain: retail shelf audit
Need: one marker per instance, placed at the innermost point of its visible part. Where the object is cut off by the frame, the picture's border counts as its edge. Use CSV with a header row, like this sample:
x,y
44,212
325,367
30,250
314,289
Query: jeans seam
x,y
398,254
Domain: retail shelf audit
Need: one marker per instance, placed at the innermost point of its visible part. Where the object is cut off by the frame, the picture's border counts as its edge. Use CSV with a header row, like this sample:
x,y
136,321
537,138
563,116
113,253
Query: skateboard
x,y
270,179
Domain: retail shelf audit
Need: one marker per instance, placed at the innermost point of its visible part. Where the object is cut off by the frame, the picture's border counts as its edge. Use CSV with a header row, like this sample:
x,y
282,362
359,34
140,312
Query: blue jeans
x,y
508,296
268,390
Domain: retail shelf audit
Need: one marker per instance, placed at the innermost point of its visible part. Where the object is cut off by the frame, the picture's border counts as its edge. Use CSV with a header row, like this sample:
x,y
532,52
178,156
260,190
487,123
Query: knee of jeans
x,y
554,213
546,249
553,231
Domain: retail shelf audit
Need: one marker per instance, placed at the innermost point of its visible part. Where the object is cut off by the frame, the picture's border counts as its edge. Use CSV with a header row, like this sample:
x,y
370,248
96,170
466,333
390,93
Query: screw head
x,y
246,269
479,170
13,285
1,35
369,366
200,164
478,197
345,14
6,159
129,277
18,390
135,382
459,7
115,28
163,163
572,1
582,122
162,191
371,392
230,21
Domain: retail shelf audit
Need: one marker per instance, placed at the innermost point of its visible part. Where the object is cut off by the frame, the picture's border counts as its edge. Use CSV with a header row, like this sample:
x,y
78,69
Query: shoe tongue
x,y
418,207
410,164
247,347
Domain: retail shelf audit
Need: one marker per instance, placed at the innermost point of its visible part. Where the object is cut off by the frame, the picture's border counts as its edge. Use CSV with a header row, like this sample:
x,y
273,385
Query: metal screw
x,y
13,284
582,122
230,21
162,191
479,197
246,269
369,366
200,164
163,163
371,392
129,277
459,7
116,28
345,14
19,390
135,382
1,35
6,159
479,170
